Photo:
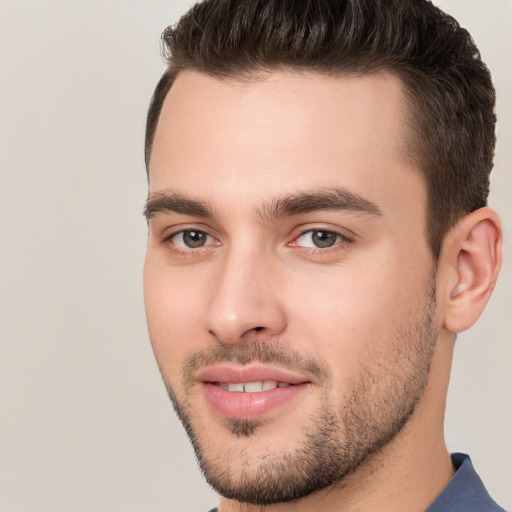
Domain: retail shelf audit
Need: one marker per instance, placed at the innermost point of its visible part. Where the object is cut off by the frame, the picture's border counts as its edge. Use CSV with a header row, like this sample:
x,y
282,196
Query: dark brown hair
x,y
449,89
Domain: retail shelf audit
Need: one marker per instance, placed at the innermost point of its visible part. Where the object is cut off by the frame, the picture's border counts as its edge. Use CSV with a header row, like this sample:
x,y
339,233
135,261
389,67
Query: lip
x,y
239,405
233,374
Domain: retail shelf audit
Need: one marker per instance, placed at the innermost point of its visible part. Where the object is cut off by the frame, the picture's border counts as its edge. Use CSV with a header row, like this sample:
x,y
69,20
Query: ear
x,y
469,264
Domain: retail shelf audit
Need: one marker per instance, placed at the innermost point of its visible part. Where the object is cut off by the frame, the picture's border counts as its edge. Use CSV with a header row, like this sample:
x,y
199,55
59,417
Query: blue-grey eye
x,y
318,239
191,239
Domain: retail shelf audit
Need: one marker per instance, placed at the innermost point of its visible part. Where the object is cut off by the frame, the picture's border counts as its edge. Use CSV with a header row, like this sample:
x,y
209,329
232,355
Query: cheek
x,y
172,315
354,312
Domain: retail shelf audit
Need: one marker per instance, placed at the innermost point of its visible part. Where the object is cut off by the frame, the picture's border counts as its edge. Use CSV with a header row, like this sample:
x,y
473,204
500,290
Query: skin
x,y
356,307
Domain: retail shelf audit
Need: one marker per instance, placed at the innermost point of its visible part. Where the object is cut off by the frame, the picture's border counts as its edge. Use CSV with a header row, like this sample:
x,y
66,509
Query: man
x,y
318,235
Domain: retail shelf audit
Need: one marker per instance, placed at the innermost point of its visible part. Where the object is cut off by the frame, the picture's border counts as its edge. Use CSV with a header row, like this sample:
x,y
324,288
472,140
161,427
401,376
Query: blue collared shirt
x,y
465,492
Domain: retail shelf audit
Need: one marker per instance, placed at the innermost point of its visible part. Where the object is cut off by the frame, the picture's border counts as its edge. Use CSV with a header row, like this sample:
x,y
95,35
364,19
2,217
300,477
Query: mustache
x,y
266,353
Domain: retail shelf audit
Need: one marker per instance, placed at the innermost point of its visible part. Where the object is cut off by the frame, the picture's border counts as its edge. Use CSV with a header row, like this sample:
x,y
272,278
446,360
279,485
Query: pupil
x,y
194,238
323,238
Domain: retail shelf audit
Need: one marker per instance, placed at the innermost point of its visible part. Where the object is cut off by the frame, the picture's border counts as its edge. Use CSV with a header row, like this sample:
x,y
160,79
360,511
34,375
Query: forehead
x,y
281,132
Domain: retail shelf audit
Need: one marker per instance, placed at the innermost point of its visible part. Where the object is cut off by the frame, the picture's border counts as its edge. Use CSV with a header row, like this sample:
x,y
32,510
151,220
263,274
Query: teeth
x,y
269,384
253,387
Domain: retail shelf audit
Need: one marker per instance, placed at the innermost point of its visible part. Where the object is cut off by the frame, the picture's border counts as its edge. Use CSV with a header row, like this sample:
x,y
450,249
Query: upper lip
x,y
241,374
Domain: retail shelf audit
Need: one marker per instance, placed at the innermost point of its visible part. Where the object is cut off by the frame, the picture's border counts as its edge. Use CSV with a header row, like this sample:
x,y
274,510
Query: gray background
x,y
85,423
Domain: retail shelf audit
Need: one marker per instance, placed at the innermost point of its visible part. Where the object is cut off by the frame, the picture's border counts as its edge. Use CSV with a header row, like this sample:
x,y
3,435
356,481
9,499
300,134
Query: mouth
x,y
252,387
250,393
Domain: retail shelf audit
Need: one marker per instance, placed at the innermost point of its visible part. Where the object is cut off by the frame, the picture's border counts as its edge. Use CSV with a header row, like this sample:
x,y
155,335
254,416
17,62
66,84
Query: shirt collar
x,y
465,492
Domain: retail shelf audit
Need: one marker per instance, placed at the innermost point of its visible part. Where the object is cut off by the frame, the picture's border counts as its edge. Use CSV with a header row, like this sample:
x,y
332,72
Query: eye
x,y
319,239
191,239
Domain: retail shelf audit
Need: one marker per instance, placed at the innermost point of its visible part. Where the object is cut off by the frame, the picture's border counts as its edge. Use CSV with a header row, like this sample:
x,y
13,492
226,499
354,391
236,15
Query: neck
x,y
406,474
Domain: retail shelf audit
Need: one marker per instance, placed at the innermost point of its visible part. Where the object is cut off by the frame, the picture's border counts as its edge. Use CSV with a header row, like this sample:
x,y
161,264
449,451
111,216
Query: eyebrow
x,y
173,202
332,198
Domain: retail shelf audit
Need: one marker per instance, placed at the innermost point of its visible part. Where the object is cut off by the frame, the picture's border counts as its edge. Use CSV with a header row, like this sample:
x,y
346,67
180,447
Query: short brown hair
x,y
448,87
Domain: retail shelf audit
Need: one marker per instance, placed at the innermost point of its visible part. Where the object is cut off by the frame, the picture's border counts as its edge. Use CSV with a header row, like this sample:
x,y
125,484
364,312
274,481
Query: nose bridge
x,y
245,298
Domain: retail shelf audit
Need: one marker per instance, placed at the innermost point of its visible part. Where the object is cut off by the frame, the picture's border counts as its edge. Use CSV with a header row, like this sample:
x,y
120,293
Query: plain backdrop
x,y
85,423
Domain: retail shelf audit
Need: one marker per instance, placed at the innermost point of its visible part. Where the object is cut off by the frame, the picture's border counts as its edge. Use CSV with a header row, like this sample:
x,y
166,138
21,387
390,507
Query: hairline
x,y
260,73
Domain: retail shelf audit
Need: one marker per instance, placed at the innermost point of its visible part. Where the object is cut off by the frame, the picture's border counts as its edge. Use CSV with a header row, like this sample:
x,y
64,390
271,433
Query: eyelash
x,y
341,239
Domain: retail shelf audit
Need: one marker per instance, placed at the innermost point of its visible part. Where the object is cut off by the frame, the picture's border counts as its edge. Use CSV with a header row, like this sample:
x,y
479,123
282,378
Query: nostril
x,y
258,329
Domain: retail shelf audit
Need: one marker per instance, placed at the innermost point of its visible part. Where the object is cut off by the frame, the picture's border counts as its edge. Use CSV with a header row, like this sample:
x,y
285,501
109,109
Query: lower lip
x,y
246,406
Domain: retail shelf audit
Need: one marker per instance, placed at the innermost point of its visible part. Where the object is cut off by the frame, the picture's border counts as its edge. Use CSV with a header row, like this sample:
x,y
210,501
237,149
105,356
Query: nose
x,y
247,302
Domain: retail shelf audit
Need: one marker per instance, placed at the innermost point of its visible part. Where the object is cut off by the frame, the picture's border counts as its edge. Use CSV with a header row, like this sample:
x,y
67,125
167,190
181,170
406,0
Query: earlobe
x,y
471,260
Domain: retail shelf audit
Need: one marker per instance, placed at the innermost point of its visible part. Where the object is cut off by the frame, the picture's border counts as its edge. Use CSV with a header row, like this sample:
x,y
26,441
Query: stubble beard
x,y
382,398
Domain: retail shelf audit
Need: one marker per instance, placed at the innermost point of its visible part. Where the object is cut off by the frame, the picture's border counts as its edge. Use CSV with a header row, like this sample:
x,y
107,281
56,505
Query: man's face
x,y
288,283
